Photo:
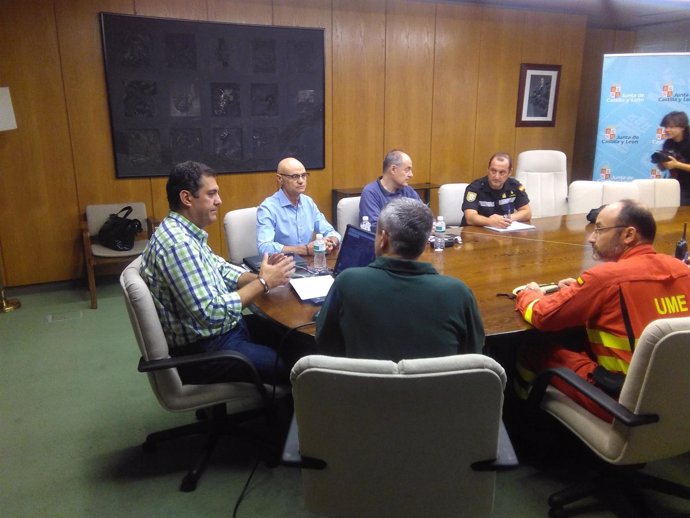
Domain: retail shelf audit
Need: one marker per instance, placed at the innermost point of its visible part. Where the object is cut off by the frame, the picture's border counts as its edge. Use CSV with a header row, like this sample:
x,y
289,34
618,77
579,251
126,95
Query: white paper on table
x,y
315,287
515,225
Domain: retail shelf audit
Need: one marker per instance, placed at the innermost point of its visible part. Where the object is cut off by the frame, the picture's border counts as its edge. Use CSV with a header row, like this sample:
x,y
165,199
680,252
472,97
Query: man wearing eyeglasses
x,y
613,301
288,220
497,199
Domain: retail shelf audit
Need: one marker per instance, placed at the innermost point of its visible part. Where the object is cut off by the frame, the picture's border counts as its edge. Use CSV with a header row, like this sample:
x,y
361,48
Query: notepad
x,y
312,288
515,225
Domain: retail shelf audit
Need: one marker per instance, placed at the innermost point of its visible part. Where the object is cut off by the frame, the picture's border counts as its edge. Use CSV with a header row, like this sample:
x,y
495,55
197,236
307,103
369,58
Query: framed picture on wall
x,y
537,95
238,98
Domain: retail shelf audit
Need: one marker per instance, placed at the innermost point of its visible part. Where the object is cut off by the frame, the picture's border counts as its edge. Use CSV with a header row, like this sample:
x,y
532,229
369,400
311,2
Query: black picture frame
x,y
537,95
236,97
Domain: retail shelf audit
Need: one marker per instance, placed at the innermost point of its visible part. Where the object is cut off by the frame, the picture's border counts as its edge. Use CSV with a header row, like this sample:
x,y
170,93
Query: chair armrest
x,y
593,392
506,454
506,458
291,455
194,359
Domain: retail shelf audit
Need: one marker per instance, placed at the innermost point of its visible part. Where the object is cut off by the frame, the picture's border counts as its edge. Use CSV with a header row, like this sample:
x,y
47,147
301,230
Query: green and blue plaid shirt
x,y
194,290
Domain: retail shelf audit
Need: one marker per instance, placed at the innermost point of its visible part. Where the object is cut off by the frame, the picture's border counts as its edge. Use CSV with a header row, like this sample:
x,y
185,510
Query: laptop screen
x,y
357,249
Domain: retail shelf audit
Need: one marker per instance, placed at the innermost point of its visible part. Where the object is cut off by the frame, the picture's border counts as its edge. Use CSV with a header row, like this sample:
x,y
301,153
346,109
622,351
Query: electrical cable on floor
x,y
244,489
273,396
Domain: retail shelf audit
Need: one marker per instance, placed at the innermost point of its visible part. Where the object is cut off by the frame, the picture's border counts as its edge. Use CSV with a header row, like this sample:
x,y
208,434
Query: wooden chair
x,y
96,254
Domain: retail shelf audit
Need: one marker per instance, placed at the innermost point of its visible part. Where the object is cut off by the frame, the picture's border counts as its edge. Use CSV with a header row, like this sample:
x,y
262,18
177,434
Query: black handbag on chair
x,y
118,232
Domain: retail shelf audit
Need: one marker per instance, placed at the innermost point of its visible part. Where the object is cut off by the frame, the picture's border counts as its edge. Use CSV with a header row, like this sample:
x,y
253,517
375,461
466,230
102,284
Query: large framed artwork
x,y
236,97
537,95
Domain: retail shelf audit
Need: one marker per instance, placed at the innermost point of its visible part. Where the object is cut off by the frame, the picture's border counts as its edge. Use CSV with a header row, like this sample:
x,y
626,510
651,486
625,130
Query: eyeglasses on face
x,y
295,177
599,230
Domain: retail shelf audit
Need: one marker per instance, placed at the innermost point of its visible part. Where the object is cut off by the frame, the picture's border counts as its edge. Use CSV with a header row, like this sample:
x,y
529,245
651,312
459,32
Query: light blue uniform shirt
x,y
280,223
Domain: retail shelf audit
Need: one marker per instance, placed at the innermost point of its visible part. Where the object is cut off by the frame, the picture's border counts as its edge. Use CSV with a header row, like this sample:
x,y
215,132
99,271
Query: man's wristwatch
x,y
264,284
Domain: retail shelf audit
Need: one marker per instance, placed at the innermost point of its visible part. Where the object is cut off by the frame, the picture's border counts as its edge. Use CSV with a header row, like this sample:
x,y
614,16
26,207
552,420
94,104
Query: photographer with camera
x,y
676,151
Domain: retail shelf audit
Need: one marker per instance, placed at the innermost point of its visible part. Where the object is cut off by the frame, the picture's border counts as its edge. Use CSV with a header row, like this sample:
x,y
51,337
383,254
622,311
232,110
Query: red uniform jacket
x,y
653,286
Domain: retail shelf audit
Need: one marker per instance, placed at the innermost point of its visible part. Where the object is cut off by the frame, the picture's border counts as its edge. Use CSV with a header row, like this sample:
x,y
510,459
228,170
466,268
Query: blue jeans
x,y
266,361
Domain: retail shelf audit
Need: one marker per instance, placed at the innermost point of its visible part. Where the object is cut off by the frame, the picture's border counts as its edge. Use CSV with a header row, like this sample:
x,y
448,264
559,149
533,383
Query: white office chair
x,y
384,439
585,195
240,234
228,402
450,197
544,173
659,192
616,191
347,213
651,420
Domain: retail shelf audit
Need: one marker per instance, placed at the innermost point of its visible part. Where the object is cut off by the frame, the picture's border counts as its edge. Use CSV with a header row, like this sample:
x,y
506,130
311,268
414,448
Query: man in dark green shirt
x,y
398,307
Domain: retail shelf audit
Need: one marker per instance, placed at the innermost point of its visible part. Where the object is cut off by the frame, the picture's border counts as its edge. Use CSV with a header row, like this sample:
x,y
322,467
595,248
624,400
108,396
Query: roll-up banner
x,y
637,90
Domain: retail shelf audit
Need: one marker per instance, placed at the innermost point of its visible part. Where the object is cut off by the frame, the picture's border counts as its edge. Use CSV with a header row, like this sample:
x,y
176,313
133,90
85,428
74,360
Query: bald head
x,y
292,178
289,166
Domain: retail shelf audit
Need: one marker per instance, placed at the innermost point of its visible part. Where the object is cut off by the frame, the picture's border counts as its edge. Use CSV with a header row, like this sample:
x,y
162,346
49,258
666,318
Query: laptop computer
x,y
357,249
254,262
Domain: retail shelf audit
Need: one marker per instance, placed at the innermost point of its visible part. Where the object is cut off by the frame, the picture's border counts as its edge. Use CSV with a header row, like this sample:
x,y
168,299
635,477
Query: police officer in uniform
x,y
497,199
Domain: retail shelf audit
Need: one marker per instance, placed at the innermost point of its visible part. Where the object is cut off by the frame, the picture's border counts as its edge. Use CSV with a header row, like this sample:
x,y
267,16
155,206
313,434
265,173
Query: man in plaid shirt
x,y
199,296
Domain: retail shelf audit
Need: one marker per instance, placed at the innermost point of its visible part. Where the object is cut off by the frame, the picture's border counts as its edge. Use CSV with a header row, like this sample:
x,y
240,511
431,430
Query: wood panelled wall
x,y
438,80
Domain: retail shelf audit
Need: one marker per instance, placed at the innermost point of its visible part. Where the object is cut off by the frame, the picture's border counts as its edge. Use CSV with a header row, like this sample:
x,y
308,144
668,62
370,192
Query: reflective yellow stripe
x,y
524,373
609,340
520,391
611,363
528,312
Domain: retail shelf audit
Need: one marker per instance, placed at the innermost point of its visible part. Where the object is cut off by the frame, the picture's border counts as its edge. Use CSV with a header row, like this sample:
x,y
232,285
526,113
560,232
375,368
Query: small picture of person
x,y
540,91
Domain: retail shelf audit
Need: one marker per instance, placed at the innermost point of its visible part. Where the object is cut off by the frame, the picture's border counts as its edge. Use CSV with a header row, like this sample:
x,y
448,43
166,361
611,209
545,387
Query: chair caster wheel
x,y
188,484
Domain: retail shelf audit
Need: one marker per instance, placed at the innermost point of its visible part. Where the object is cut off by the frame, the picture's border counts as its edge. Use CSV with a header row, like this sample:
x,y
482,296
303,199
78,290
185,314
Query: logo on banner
x,y
610,133
655,173
661,134
615,91
668,94
605,173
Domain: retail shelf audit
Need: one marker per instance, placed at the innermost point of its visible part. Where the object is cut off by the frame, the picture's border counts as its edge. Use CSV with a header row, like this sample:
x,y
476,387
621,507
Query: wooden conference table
x,y
490,262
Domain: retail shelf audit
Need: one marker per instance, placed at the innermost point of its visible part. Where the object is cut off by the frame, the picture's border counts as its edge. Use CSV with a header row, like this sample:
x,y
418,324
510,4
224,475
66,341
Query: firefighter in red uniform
x,y
614,302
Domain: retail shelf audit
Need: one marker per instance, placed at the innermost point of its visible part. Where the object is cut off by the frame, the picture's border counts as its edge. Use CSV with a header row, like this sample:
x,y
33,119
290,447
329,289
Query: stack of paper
x,y
515,225
309,288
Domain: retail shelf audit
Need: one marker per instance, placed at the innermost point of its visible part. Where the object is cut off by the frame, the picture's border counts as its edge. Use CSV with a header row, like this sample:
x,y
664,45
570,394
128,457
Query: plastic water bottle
x,y
439,235
365,224
320,254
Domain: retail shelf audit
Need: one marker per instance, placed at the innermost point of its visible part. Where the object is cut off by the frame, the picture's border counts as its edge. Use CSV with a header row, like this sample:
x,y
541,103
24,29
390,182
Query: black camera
x,y
659,157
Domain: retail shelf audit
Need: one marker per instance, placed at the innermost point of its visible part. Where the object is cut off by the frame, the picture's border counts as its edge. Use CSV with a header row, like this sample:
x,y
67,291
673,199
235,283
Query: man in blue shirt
x,y
198,295
393,183
288,220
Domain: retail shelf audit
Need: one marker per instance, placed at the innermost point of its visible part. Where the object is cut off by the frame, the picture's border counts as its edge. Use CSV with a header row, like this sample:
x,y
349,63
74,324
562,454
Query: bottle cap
x,y
365,218
319,236
440,218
